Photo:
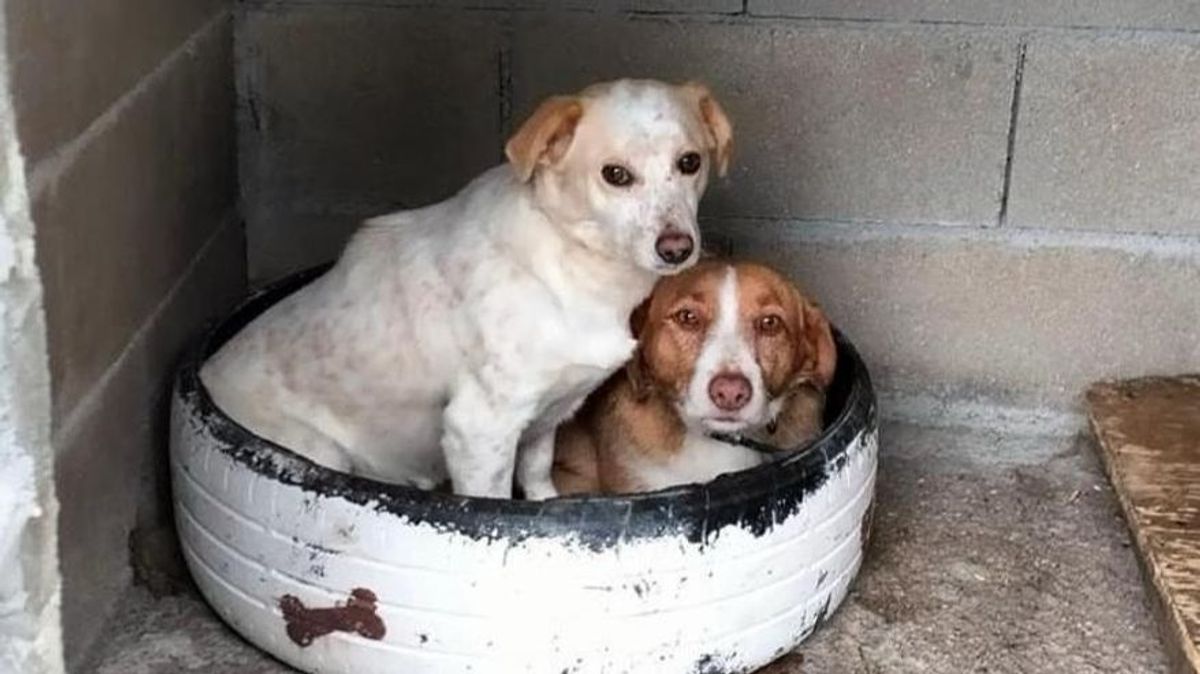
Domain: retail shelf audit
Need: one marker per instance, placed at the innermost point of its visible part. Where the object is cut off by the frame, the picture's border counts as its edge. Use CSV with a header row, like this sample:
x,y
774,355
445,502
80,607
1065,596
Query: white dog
x,y
449,337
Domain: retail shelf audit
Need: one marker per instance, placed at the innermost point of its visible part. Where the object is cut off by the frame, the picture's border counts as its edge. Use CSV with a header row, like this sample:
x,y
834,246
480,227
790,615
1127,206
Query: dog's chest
x,y
699,460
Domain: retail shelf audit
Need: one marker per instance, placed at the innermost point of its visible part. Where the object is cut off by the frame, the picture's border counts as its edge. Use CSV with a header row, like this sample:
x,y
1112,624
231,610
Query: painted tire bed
x,y
335,573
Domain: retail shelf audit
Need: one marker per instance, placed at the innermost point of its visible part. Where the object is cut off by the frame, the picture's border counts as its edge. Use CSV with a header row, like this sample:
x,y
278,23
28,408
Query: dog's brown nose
x,y
730,391
674,247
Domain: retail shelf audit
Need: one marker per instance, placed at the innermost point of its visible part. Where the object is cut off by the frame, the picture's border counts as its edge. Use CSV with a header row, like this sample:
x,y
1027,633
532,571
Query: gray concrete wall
x,y
125,116
1000,202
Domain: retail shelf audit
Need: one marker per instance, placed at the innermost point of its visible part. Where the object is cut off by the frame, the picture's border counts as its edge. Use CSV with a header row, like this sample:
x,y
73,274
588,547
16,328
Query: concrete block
x,y
96,478
122,221
681,6
1108,136
381,108
71,60
1157,14
110,446
652,6
1026,320
850,124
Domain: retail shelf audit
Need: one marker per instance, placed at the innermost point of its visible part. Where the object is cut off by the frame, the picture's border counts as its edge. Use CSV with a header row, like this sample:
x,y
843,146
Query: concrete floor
x,y
991,554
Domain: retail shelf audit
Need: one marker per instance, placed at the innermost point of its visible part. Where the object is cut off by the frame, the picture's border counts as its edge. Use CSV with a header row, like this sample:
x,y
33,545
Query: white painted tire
x,y
704,579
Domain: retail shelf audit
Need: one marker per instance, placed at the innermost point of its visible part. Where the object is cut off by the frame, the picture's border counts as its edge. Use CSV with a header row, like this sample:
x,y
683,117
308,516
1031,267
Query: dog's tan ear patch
x,y
819,360
635,368
638,317
545,137
720,130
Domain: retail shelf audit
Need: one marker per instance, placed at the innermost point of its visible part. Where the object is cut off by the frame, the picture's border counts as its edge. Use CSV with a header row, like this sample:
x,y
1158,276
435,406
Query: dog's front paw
x,y
540,491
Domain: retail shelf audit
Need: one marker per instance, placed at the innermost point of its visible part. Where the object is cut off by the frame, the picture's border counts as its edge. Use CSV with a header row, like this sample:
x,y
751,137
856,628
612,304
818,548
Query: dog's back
x,y
353,370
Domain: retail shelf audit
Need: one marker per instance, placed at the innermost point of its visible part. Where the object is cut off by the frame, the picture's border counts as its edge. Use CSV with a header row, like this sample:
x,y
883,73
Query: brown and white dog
x,y
450,341
724,349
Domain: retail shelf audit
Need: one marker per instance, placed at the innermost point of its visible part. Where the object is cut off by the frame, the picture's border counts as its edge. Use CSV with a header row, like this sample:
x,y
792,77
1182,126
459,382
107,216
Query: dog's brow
x,y
768,298
770,307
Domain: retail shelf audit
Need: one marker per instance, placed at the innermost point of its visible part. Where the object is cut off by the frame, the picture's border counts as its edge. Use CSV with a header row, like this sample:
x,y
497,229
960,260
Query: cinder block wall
x,y
999,201
125,116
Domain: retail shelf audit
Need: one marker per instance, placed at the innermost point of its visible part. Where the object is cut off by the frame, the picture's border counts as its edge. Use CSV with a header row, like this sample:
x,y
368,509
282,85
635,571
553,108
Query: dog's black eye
x,y
686,318
770,325
616,175
689,163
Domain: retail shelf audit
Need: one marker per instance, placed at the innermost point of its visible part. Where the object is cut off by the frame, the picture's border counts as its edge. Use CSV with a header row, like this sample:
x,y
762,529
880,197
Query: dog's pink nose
x,y
674,247
730,391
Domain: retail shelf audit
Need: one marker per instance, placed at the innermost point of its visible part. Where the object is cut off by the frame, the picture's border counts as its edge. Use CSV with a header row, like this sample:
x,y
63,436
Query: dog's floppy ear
x,y
720,131
545,136
635,368
637,319
817,352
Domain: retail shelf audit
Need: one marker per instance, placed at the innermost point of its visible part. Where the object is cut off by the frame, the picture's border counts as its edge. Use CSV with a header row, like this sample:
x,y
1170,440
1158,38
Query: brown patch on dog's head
x,y
670,328
720,130
635,369
793,339
819,360
788,335
545,137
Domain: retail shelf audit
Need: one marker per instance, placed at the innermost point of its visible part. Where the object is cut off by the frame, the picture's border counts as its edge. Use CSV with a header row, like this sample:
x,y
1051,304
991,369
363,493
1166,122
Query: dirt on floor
x,y
990,553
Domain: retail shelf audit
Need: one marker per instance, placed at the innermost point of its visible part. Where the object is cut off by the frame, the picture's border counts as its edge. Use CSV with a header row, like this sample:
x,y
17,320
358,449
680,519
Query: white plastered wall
x,y
30,635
